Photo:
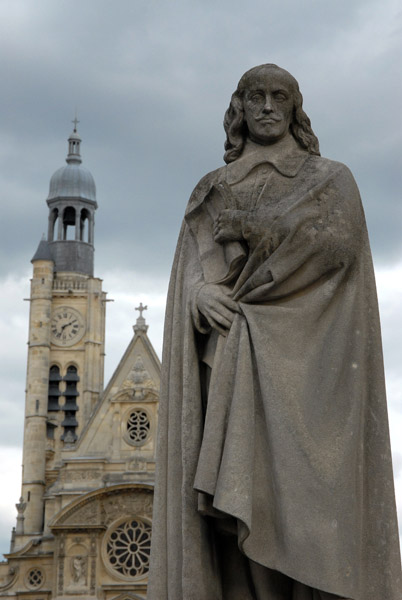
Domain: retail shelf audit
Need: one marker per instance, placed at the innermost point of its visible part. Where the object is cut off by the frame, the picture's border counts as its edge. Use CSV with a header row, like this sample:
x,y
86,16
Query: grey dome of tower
x,y
72,205
73,180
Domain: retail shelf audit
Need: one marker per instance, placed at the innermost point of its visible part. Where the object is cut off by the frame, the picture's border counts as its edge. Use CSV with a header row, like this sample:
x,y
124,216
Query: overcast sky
x,y
151,81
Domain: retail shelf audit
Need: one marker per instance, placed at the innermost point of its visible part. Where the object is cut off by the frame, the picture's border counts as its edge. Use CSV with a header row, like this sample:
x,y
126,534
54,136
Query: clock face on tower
x,y
66,326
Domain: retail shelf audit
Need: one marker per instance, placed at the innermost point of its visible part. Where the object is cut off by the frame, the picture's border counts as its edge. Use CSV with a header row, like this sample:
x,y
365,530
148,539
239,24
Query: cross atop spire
x,y
141,308
140,324
75,121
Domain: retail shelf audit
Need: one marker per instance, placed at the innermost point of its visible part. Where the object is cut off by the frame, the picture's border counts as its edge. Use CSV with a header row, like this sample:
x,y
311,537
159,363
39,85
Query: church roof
x,y
42,252
136,376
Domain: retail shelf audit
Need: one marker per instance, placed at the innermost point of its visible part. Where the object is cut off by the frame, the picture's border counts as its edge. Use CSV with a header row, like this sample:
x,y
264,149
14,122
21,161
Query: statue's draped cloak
x,y
294,441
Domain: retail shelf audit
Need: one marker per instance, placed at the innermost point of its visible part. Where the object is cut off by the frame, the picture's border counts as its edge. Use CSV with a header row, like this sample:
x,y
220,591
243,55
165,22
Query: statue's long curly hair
x,y
236,127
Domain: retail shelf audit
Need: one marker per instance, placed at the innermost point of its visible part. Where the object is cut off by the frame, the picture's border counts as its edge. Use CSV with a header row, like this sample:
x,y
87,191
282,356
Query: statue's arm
x,y
320,233
211,304
229,226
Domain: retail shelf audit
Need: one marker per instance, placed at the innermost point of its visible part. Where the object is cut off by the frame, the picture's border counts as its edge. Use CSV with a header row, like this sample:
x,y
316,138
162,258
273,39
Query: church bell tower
x,y
66,335
72,205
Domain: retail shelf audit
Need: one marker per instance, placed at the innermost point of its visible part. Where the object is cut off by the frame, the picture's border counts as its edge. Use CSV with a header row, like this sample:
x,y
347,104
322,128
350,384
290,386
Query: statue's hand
x,y
229,225
217,307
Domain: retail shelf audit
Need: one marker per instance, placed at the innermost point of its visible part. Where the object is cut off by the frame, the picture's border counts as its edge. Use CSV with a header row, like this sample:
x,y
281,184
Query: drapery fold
x,y
294,442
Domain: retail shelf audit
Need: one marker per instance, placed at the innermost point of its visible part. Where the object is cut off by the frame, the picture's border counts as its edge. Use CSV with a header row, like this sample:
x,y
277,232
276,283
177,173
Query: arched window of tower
x,y
54,389
84,225
70,406
69,223
53,224
72,375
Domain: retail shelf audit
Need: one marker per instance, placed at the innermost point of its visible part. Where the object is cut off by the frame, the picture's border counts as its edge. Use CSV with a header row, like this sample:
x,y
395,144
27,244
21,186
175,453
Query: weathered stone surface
x,y
274,468
103,508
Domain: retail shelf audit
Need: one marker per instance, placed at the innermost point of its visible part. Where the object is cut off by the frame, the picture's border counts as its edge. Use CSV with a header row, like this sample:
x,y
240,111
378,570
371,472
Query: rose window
x,y
138,427
128,547
35,578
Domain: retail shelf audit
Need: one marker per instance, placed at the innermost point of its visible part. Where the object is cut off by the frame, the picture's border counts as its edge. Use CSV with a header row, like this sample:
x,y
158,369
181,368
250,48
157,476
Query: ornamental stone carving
x,y
34,578
8,580
61,559
138,379
126,548
105,507
87,514
81,476
137,427
127,504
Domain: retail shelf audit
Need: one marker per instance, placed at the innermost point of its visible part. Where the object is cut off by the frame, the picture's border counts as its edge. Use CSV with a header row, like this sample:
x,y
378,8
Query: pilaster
x,y
34,452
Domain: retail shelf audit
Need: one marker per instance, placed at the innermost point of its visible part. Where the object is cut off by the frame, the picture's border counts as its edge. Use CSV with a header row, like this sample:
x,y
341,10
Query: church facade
x,y
84,517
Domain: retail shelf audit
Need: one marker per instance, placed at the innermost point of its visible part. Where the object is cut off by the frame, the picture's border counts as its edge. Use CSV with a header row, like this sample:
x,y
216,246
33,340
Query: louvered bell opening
x,y
71,390
54,389
70,421
54,374
53,403
70,405
71,376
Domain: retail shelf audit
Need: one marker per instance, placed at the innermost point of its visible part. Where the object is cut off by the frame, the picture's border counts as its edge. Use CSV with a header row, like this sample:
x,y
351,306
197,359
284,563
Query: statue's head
x,y
266,106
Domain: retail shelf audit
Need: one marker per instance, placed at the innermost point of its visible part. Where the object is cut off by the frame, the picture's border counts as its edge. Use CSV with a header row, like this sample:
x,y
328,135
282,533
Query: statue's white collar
x,y
285,155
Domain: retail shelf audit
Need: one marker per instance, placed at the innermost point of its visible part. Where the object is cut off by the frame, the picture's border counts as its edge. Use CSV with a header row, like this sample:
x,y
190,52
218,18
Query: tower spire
x,y
72,205
74,142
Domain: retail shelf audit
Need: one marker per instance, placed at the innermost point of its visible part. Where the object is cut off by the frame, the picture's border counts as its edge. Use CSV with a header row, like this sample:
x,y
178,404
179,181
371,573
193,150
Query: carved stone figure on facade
x,y
139,379
20,506
79,570
274,475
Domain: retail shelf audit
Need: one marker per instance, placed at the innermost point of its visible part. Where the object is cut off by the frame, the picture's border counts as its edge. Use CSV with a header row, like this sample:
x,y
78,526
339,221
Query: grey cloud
x,y
12,416
152,85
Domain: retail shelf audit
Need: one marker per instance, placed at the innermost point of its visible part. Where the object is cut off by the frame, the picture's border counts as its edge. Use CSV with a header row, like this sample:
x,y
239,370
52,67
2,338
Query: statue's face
x,y
268,106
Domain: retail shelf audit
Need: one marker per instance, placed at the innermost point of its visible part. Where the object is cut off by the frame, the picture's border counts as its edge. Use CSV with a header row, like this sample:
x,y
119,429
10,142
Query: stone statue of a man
x,y
274,476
